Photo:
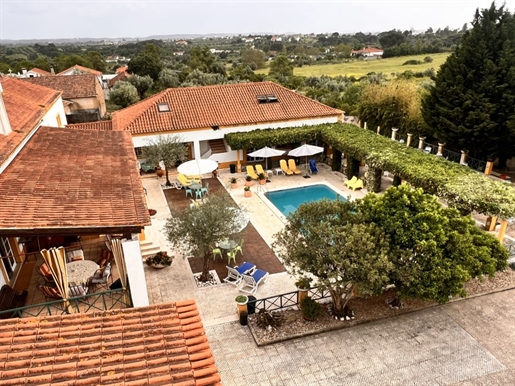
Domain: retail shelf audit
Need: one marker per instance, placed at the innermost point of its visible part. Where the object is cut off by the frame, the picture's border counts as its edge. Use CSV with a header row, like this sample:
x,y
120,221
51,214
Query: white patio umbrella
x,y
197,167
266,153
306,151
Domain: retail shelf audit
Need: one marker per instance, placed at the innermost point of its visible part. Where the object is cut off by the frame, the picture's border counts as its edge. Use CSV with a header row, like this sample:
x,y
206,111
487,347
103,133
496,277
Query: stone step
x,y
149,251
217,146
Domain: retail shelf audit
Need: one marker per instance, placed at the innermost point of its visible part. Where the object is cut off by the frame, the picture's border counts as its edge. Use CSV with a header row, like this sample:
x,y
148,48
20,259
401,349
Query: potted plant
x,y
247,192
234,182
160,260
248,181
310,309
160,172
262,178
241,302
303,285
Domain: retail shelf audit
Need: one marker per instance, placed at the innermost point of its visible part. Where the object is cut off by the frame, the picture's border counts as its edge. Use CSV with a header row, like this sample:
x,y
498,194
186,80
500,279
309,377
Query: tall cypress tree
x,y
471,107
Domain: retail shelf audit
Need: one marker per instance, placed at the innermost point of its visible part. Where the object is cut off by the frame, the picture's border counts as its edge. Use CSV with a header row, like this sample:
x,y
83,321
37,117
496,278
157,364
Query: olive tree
x,y
197,228
166,149
124,94
328,240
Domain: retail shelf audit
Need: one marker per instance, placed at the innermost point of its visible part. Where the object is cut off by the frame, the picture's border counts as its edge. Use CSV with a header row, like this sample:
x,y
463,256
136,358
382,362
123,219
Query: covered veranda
x,y
72,188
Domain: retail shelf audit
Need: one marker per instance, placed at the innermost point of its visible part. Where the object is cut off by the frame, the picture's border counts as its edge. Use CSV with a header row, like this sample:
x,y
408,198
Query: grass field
x,y
360,68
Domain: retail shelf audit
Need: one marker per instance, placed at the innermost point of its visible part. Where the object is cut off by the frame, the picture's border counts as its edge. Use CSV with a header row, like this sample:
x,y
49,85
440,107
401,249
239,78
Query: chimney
x,y
5,125
24,71
52,71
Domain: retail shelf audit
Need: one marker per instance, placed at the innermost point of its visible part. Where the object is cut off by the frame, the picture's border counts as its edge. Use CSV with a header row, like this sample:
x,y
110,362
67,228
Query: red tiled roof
x,y
72,86
78,180
221,105
40,71
124,75
98,125
121,69
80,69
26,104
163,344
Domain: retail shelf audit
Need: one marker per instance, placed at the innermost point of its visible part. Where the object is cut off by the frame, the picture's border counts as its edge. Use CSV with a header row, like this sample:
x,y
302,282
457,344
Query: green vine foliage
x,y
460,186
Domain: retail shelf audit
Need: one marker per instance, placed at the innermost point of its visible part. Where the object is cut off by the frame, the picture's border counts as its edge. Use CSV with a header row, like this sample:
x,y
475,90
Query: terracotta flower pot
x,y
234,185
247,193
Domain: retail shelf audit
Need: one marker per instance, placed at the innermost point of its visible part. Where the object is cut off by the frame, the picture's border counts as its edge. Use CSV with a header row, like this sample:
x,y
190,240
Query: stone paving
x,y
469,342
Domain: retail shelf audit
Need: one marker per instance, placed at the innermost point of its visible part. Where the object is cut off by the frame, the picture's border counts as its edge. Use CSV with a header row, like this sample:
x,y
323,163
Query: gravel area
x,y
365,310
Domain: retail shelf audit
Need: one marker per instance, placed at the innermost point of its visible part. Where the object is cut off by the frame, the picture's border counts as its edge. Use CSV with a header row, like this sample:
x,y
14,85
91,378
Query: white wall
x,y
50,118
196,136
135,272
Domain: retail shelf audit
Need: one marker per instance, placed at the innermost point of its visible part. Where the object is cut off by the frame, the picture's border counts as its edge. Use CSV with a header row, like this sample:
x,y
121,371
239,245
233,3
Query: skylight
x,y
163,107
269,98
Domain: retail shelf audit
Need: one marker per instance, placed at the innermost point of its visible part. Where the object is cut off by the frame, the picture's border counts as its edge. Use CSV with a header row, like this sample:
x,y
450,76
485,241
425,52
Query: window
x,y
269,98
6,253
253,159
163,107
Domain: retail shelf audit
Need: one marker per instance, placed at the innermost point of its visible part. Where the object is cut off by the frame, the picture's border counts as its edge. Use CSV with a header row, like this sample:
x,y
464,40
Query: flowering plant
x,y
160,258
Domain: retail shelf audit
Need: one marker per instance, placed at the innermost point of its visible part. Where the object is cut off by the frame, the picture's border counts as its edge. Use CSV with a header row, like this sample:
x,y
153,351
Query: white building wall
x,y
50,118
197,136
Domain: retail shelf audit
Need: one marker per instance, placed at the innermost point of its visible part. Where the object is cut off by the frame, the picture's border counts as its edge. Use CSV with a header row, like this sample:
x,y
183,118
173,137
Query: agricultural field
x,y
359,68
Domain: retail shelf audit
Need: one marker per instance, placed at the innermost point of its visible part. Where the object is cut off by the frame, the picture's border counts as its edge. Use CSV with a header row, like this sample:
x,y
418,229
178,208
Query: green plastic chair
x,y
231,255
239,248
216,252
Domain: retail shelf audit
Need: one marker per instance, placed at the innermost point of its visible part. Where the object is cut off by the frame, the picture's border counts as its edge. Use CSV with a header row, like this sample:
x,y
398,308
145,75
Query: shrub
x,y
310,308
411,62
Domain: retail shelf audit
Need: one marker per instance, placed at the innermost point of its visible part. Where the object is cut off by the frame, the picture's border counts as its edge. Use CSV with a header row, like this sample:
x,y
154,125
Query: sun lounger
x,y
234,274
252,281
251,172
350,182
286,170
293,166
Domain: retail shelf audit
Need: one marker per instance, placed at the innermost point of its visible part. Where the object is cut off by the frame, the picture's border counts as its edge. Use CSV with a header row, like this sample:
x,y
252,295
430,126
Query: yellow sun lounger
x,y
350,182
251,172
286,170
293,166
357,185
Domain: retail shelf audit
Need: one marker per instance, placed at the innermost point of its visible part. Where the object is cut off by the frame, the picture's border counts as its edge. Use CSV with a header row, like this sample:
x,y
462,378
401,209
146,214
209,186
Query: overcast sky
x,y
20,19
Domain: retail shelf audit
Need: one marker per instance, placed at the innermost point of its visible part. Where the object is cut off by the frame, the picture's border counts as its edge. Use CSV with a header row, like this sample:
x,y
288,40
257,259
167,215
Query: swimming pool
x,y
288,200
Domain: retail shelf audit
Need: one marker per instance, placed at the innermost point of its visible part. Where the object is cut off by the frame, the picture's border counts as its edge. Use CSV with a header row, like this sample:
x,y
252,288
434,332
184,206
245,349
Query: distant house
x,y
35,72
368,52
79,70
203,115
83,95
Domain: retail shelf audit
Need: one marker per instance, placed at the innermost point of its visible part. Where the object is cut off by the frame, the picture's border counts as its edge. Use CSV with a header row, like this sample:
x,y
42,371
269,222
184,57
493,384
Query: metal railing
x,y
287,300
99,301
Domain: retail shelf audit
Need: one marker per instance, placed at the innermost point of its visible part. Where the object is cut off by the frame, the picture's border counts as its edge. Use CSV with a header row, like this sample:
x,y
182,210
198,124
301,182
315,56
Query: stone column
x,y
394,133
421,143
365,125
408,141
238,164
440,149
464,155
378,129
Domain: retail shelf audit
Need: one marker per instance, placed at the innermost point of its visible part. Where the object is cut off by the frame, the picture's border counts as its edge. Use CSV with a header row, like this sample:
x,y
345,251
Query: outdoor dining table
x,y
227,244
79,272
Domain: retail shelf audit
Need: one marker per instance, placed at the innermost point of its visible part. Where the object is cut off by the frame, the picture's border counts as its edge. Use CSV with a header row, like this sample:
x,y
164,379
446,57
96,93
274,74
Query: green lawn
x,y
360,68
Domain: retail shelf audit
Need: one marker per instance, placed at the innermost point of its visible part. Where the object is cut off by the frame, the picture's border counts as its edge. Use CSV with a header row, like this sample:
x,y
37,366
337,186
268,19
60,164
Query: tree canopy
x,y
166,149
472,104
124,94
197,228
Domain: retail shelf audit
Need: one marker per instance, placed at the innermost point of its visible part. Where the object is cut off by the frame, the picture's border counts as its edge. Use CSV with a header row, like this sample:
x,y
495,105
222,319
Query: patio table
x,y
227,244
79,272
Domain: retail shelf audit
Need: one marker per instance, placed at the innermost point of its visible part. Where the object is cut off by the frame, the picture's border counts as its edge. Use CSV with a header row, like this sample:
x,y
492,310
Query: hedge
x,y
459,185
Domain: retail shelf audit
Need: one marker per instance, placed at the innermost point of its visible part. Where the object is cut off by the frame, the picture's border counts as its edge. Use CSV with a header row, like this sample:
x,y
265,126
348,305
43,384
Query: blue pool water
x,y
288,200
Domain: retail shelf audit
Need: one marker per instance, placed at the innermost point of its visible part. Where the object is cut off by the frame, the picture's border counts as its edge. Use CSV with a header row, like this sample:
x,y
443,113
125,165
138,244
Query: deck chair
x,y
313,166
357,185
252,281
350,182
251,172
78,290
293,166
51,293
286,170
45,273
101,277
183,180
234,273
259,170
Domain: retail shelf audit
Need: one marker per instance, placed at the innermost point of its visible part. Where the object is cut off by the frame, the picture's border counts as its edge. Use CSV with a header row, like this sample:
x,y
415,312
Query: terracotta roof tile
x,y
42,363
80,70
41,71
76,179
26,104
72,86
99,125
221,105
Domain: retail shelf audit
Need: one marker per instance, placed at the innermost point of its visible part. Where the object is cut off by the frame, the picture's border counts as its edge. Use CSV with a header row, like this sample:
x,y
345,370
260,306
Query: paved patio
x,y
468,342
